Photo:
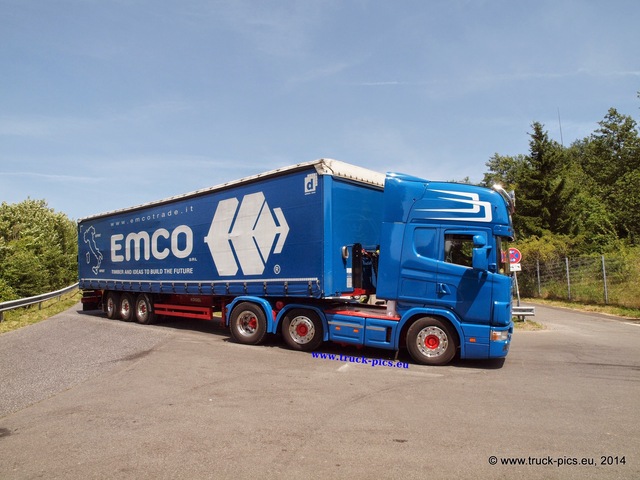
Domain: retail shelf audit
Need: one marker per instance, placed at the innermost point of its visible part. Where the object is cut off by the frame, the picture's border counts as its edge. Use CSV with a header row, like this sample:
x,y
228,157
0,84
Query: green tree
x,y
611,158
38,248
25,272
504,170
626,204
6,292
614,150
542,191
589,218
585,197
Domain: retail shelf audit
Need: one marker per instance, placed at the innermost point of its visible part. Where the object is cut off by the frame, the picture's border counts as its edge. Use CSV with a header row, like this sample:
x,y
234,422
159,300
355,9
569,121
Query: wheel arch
x,y
302,306
263,304
416,313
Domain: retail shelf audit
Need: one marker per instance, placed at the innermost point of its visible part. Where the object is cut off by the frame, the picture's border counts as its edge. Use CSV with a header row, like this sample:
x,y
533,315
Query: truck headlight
x,y
500,335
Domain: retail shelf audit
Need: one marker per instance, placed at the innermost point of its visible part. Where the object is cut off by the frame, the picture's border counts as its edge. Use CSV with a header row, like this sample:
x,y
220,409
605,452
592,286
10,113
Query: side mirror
x,y
480,259
480,256
479,241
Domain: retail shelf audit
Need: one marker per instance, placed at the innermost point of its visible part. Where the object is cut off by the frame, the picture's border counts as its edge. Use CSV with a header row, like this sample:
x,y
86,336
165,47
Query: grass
x,y
527,325
625,312
21,317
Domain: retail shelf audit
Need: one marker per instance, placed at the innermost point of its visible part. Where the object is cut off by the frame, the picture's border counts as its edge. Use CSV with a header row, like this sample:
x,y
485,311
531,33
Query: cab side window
x,y
458,249
425,242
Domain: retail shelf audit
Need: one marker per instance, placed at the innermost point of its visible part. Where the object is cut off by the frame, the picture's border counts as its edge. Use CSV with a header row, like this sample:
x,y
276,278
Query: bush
x,y
38,249
6,292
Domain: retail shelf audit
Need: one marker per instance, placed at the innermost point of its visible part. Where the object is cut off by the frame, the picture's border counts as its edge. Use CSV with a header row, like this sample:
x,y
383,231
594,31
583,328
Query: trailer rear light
x,y
499,335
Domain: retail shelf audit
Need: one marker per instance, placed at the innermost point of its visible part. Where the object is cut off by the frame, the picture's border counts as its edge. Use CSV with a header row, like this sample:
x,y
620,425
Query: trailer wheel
x,y
302,330
111,305
144,310
431,341
126,307
248,324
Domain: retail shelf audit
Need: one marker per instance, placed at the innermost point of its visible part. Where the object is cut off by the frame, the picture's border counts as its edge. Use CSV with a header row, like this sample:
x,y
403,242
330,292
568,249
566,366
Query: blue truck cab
x,y
296,252
442,270
443,262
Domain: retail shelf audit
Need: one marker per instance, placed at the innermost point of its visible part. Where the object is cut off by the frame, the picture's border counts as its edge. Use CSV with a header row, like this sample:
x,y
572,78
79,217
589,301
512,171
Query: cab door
x,y
460,287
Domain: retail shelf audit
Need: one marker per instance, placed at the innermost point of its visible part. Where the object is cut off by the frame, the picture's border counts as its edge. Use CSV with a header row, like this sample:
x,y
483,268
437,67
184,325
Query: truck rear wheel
x,y
431,341
126,307
248,324
302,330
144,310
111,305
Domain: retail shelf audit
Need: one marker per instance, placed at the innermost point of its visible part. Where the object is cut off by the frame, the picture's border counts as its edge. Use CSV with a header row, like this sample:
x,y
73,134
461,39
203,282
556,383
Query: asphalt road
x,y
83,397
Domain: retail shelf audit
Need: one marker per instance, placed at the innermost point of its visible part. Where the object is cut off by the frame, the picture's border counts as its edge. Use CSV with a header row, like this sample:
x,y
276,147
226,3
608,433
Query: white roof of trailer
x,y
323,166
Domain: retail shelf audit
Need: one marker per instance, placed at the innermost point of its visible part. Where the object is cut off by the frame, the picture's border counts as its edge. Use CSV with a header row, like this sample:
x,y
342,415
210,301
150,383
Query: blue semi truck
x,y
295,252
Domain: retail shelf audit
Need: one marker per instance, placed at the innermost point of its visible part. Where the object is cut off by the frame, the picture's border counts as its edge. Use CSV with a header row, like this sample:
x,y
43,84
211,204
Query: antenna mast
x,y
560,123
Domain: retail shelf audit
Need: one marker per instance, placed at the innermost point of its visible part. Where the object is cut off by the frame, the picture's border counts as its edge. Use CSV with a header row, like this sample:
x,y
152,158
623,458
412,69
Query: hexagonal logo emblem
x,y
244,234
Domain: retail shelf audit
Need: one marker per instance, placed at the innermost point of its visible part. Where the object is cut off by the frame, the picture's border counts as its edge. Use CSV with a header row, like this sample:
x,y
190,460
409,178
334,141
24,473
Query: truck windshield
x,y
503,255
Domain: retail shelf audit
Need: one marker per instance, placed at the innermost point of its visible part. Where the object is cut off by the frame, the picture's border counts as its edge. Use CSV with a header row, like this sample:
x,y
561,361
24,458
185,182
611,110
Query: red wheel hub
x,y
253,323
432,342
302,329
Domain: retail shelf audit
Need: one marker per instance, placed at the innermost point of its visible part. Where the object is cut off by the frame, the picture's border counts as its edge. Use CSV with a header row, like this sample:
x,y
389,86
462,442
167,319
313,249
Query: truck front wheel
x,y
302,330
248,324
431,341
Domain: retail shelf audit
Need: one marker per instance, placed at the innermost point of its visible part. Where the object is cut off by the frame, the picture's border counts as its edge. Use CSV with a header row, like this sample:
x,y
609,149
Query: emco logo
x,y
244,235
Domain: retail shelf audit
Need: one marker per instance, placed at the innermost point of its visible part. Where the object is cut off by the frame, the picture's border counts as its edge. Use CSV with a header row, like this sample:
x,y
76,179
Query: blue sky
x,y
106,104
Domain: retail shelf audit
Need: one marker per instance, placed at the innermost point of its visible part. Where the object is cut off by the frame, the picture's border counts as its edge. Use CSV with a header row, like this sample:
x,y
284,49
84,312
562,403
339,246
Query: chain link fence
x,y
595,280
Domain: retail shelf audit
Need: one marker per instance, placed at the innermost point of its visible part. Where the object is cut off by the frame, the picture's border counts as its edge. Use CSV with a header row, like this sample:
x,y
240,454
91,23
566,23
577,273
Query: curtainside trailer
x,y
297,251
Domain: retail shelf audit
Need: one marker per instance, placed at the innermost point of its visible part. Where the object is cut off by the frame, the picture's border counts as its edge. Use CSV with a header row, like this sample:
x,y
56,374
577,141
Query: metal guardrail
x,y
521,311
24,302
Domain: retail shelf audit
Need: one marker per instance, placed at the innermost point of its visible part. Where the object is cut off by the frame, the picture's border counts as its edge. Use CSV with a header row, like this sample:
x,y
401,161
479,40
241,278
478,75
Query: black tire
x,y
111,305
144,310
431,341
302,330
126,307
248,324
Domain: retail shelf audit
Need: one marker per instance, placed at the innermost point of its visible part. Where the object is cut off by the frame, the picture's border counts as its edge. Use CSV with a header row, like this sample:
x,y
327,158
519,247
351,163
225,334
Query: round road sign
x,y
514,255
